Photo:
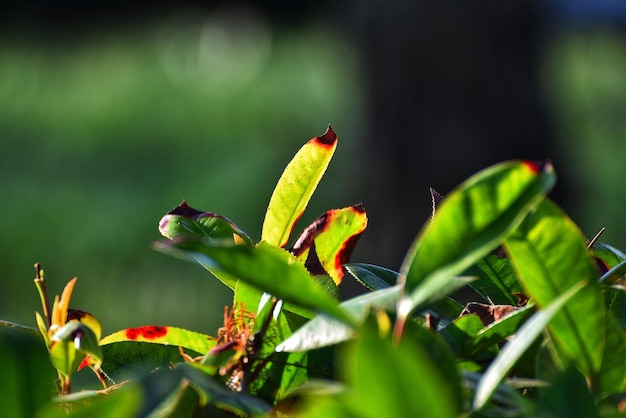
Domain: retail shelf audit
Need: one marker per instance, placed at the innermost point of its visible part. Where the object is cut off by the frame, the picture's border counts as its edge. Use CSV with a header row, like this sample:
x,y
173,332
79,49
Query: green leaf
x,y
139,397
70,344
371,276
179,337
122,403
515,348
550,255
186,222
612,376
266,267
498,331
296,186
130,359
472,221
27,378
496,279
461,332
380,373
216,393
328,242
567,396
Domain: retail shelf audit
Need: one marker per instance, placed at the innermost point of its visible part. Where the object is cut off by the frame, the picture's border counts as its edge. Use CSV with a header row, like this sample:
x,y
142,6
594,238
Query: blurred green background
x,y
105,130
103,135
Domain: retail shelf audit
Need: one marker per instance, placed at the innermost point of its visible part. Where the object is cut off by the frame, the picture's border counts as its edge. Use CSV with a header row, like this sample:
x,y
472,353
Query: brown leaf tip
x,y
329,137
358,208
185,210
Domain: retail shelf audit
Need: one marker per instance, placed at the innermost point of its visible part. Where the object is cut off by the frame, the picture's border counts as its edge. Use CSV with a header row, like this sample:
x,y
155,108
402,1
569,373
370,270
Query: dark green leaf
x,y
27,377
371,276
496,279
514,349
568,396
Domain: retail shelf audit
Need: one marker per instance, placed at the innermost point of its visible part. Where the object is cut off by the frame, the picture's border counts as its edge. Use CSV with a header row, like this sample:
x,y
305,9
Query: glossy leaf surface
x,y
328,242
550,255
178,337
296,186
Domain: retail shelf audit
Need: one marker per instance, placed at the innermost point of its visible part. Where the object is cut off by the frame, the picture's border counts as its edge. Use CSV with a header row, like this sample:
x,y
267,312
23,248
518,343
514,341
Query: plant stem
x,y
42,288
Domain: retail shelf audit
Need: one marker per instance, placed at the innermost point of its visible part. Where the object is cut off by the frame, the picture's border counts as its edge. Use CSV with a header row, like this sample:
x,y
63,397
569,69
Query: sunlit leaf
x,y
550,255
515,348
178,337
473,220
186,222
296,186
327,243
266,267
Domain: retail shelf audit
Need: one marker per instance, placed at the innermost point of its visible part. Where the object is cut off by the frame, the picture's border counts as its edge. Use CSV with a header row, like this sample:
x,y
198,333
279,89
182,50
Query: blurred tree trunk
x,y
453,87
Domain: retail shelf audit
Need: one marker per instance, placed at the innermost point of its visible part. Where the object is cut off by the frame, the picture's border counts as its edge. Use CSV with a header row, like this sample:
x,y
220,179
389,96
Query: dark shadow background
x,y
421,94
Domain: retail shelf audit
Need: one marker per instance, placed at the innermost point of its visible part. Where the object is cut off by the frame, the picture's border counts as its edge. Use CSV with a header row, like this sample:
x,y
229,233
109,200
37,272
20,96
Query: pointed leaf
x,y
327,243
185,221
514,349
266,267
178,337
371,276
473,220
296,186
550,255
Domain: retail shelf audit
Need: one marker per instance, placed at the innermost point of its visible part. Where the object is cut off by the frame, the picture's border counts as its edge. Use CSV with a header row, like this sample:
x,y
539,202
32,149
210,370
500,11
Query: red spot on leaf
x,y
150,332
328,139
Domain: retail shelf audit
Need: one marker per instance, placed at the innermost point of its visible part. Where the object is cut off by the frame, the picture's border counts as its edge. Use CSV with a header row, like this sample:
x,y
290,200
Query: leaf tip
x,y
329,138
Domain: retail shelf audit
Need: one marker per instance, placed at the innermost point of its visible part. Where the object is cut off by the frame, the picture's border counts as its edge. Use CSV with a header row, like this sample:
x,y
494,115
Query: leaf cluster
x,y
544,337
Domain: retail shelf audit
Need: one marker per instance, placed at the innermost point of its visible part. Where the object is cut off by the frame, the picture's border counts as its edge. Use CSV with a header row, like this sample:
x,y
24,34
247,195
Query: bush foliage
x,y
545,336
